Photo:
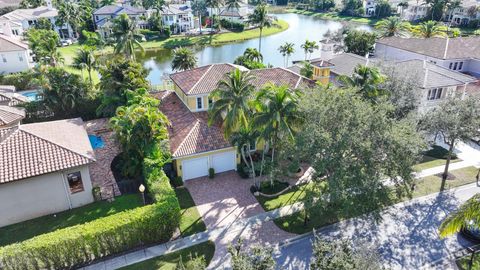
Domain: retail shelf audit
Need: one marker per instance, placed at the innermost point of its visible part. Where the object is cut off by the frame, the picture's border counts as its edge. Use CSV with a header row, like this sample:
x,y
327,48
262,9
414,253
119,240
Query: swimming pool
x,y
30,95
96,141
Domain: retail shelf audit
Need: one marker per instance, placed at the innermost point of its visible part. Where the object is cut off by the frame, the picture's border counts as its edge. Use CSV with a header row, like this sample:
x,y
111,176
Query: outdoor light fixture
x,y
141,188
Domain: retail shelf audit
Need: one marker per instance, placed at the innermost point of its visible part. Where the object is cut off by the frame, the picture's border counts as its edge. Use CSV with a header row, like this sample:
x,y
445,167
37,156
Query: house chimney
x,y
446,48
7,29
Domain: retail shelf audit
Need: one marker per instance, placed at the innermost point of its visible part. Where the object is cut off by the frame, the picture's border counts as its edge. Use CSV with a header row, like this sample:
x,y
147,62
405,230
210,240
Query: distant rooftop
x,y
31,14
11,44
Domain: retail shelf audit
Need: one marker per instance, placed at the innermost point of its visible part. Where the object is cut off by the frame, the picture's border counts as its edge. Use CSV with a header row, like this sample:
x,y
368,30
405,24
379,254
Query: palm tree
x,y
467,214
392,26
243,139
69,13
127,36
429,29
85,59
260,17
286,50
309,47
276,115
49,50
252,54
367,80
214,4
183,59
233,4
231,102
403,6
200,8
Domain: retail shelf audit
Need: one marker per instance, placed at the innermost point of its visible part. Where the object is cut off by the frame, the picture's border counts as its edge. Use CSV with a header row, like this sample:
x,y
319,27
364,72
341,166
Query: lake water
x,y
301,27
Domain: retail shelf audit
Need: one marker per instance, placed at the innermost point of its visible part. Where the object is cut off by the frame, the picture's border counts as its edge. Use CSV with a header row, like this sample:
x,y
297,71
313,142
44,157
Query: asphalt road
x,y
406,236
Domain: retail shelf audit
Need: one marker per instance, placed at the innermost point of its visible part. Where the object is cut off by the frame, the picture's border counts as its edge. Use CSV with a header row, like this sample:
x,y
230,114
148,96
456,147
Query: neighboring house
x,y
44,169
10,116
104,16
460,54
9,97
436,82
196,146
235,14
321,69
179,17
369,7
14,55
20,20
469,10
413,11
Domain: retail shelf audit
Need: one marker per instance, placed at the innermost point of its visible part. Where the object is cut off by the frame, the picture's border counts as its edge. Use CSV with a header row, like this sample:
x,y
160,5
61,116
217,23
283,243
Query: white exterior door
x,y
225,161
195,167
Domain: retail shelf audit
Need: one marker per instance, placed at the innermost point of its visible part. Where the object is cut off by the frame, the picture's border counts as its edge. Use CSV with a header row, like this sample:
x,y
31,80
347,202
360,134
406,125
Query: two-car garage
x,y
195,167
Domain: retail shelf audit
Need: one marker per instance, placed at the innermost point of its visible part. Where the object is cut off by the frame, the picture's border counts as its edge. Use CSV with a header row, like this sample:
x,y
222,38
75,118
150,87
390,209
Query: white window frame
x,y
434,94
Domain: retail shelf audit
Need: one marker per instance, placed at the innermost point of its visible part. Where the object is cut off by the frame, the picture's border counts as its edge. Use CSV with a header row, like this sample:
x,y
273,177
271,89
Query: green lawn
x,y
30,228
190,222
170,261
334,16
428,185
430,162
68,52
296,194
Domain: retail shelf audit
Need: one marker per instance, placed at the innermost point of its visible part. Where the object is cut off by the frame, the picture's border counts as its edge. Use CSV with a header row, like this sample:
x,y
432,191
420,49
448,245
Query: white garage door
x,y
195,167
225,161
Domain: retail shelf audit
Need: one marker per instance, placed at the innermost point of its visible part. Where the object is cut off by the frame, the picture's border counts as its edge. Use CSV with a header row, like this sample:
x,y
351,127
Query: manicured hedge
x,y
232,25
81,244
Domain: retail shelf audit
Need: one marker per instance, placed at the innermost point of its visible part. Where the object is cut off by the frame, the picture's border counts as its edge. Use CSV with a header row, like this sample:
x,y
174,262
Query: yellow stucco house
x,y
195,146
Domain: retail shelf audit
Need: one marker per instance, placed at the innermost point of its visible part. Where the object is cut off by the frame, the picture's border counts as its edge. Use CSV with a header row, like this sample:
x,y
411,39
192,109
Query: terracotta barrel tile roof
x,y
26,152
10,115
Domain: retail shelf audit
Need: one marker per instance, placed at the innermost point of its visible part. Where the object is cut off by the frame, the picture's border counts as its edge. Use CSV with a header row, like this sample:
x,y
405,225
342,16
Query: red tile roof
x,y
10,115
203,80
40,148
189,132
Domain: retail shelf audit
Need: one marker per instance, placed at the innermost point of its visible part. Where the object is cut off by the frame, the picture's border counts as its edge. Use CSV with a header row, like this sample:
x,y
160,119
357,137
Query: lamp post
x,y
141,188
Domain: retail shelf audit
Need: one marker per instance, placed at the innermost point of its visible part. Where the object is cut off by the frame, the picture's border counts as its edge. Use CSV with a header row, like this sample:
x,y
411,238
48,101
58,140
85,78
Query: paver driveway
x,y
224,200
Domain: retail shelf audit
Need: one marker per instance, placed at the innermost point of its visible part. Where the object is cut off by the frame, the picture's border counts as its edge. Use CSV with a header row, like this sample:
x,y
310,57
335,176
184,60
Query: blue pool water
x,y
96,141
31,95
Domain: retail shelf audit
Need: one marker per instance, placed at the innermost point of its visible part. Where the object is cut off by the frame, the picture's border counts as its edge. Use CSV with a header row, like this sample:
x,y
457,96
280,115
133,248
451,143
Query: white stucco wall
x,y
10,61
41,195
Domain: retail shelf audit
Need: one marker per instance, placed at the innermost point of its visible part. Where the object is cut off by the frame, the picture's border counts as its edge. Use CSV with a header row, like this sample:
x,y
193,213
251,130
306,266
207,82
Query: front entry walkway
x,y
222,202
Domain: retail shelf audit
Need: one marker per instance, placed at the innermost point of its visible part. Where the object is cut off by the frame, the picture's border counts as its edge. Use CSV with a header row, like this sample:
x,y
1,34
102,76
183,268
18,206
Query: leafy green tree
x,y
127,36
157,5
92,39
429,29
286,50
32,3
117,77
438,8
256,258
392,27
62,92
352,8
323,5
108,3
359,42
454,120
69,13
276,116
44,45
85,59
44,23
309,47
231,99
383,9
214,4
183,59
367,80
307,70
467,215
261,18
342,254
138,126
356,145
199,7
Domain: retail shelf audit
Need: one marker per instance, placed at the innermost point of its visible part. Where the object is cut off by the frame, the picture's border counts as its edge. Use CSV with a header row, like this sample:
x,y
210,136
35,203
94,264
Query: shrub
x,y
211,173
155,34
231,25
177,181
77,245
241,170
439,152
22,81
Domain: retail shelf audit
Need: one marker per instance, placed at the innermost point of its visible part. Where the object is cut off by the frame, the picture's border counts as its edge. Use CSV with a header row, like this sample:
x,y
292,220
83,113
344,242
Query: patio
x,y
100,171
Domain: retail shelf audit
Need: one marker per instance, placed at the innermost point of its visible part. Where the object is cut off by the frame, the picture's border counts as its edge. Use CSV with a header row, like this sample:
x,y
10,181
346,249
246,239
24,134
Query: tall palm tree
x,y
286,50
85,59
367,80
233,4
200,8
214,4
69,13
429,29
309,47
253,54
49,50
277,115
183,59
467,214
392,27
231,102
261,18
243,139
127,36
